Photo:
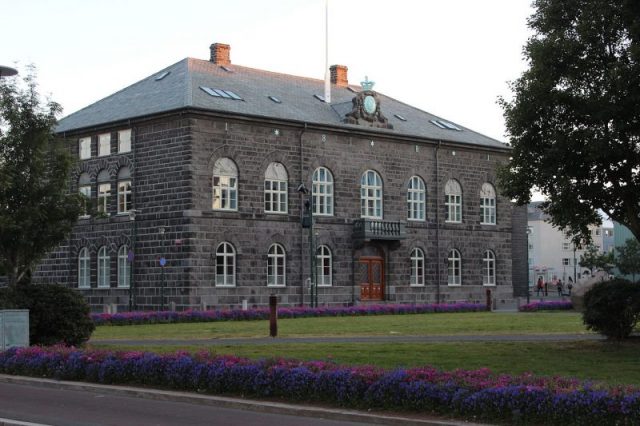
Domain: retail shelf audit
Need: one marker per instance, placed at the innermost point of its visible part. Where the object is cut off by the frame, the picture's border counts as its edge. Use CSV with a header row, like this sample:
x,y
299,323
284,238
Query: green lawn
x,y
596,360
382,325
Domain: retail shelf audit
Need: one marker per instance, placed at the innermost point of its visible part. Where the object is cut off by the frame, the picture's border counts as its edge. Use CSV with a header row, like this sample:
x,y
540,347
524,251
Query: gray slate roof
x,y
181,89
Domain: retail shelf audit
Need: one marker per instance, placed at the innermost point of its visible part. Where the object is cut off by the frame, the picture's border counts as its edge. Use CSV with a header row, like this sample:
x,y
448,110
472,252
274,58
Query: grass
x,y
593,360
409,325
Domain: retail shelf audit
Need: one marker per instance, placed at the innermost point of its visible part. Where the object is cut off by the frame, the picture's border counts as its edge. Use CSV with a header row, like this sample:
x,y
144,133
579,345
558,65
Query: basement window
x,y
219,93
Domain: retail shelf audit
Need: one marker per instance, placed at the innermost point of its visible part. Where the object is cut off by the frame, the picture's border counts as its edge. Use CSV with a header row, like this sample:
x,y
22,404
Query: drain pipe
x,y
437,226
302,132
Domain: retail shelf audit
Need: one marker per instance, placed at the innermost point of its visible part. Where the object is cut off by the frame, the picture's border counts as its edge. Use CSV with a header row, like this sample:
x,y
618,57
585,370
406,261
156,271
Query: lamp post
x,y
307,222
163,262
131,259
528,266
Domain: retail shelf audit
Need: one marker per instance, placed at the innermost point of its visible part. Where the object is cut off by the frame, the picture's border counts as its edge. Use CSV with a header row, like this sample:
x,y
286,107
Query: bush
x,y
612,308
57,314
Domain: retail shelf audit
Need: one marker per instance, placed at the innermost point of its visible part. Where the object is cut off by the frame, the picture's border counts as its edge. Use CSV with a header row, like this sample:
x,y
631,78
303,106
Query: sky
x,y
451,58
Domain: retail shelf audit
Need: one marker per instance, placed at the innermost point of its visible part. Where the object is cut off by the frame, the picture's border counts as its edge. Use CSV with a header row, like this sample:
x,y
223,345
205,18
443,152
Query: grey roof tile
x,y
181,89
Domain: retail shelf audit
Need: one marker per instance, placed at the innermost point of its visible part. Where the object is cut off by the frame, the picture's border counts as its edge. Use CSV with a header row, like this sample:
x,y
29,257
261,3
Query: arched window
x,y
84,188
275,189
454,271
225,265
322,192
417,267
103,268
104,191
416,199
323,266
453,201
124,267
489,268
276,266
487,204
371,195
124,190
225,185
84,271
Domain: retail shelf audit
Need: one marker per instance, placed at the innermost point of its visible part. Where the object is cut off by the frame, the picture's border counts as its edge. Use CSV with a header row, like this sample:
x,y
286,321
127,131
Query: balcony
x,y
368,229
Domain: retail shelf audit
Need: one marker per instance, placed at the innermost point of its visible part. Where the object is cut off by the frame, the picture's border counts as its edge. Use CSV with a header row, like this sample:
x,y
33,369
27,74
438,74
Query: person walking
x,y
539,286
559,287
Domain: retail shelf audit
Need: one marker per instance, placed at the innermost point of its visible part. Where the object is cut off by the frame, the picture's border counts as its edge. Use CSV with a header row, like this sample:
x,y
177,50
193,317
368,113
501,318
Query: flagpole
x,y
327,77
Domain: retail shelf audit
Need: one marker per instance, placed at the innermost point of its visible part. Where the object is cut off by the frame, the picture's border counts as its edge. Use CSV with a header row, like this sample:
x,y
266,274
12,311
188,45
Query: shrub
x,y
57,314
612,308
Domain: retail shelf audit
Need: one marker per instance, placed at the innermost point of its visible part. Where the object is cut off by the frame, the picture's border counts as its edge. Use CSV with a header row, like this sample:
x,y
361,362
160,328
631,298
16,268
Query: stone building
x,y
202,177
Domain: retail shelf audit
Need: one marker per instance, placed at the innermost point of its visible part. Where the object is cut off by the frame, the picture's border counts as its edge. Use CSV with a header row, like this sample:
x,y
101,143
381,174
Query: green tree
x,y
593,259
574,119
628,258
36,209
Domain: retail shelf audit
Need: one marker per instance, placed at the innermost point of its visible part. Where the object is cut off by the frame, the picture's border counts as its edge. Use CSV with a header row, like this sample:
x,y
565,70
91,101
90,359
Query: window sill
x,y
276,285
277,213
454,285
488,285
416,285
324,285
224,285
487,224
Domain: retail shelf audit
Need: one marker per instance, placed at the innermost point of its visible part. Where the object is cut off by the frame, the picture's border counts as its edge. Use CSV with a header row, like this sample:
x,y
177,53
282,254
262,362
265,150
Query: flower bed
x,y
151,317
477,394
556,305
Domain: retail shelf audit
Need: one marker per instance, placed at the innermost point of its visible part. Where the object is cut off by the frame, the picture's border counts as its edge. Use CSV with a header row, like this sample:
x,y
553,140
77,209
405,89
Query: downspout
x,y
437,226
302,132
133,302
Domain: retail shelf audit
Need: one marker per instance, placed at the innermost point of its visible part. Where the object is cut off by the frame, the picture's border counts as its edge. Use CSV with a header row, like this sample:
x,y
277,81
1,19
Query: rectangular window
x,y
454,208
84,146
530,246
104,144
566,246
124,140
566,261
104,192
85,190
124,196
488,211
275,196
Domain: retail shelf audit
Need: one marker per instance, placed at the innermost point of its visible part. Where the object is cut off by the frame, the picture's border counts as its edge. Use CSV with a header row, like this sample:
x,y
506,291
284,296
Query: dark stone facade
x,y
171,166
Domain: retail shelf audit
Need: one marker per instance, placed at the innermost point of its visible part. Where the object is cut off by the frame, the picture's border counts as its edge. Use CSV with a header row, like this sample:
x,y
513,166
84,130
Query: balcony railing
x,y
368,229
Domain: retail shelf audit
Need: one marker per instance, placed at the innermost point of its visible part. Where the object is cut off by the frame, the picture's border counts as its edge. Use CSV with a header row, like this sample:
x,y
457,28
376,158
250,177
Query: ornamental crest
x,y
366,108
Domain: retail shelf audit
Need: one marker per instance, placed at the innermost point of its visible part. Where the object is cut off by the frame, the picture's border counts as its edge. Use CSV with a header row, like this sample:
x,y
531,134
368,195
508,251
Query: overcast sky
x,y
451,58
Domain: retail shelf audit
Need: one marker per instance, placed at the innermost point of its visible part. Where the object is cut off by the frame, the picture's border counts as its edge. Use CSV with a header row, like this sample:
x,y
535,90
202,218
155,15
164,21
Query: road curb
x,y
237,403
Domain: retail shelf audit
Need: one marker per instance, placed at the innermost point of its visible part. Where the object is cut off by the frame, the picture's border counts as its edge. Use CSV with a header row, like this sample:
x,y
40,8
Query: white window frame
x,y
104,144
322,189
276,266
566,246
489,269
487,204
225,185
84,148
417,268
416,199
371,195
124,141
566,261
104,194
85,190
454,268
104,268
124,196
226,260
124,267
84,268
453,201
324,263
276,189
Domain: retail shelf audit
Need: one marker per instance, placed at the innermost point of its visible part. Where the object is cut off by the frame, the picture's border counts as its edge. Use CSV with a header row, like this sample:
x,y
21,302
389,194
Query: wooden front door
x,y
371,277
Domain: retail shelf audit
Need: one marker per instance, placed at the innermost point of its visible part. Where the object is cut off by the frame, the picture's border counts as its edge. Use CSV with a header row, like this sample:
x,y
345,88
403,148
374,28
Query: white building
x,y
552,254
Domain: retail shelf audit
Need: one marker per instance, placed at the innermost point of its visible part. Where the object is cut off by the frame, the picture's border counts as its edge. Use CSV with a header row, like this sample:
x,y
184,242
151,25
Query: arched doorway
x,y
370,273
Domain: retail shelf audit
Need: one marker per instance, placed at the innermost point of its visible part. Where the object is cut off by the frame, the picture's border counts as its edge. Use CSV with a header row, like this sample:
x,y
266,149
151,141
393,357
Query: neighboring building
x,y
621,235
552,254
203,168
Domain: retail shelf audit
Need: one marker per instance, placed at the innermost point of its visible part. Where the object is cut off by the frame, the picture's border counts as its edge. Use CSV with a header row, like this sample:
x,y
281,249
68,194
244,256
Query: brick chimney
x,y
339,75
220,54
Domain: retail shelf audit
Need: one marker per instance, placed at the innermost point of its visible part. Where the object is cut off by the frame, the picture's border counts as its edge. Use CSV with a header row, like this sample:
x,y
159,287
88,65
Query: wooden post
x,y
273,315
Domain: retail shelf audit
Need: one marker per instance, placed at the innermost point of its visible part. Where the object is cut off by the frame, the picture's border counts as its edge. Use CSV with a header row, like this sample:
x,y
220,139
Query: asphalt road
x,y
51,406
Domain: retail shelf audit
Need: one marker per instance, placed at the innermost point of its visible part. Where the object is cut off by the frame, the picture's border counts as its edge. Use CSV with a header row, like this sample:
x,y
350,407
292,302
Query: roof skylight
x,y
162,75
226,69
219,93
446,125
400,117
319,97
274,99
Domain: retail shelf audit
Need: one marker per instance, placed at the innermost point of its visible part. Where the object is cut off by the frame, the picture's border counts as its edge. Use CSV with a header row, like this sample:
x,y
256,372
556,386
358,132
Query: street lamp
x,y
529,231
131,258
163,261
307,222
